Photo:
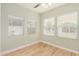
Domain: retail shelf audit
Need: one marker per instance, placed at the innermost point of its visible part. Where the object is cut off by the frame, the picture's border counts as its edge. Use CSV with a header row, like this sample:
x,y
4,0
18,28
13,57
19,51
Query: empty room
x,y
39,29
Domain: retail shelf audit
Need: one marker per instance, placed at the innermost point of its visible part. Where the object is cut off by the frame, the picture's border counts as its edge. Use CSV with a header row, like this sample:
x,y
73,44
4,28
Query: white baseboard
x,y
77,52
6,52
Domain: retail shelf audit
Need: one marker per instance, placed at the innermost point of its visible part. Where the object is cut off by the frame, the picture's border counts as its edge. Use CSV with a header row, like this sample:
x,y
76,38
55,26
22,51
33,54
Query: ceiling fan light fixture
x,y
49,4
46,5
43,4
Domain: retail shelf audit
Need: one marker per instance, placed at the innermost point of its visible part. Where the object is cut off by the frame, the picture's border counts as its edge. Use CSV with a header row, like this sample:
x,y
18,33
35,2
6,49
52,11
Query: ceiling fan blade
x,y
37,5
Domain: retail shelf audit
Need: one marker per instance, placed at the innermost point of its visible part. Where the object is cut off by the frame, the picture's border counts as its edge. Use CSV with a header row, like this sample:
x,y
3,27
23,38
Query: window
x,y
15,25
68,28
49,26
31,26
67,25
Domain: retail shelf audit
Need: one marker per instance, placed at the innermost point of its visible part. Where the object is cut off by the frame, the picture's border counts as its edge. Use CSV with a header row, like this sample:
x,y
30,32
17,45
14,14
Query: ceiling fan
x,y
37,5
42,4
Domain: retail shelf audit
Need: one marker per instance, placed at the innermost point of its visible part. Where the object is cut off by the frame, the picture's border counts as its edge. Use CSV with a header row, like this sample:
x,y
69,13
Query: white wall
x,y
11,42
72,44
0,27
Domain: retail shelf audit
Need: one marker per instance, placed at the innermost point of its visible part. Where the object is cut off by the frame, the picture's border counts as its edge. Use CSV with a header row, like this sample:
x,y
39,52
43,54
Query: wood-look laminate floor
x,y
41,49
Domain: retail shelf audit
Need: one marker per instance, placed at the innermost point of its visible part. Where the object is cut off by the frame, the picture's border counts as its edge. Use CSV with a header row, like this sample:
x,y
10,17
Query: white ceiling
x,y
40,9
